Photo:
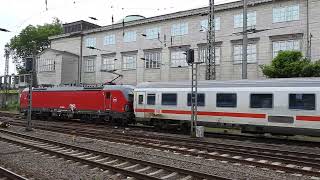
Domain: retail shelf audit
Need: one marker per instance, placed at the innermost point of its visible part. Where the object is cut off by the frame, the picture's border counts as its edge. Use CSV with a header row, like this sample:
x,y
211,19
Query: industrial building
x,y
152,49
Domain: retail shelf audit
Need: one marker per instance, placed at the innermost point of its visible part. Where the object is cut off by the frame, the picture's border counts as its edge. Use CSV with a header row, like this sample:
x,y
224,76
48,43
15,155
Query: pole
x,y
211,65
6,76
308,33
192,134
80,61
245,41
28,127
310,45
194,97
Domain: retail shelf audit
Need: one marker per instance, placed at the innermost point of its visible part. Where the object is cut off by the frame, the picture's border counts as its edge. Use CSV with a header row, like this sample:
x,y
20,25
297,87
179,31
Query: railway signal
x,y
190,56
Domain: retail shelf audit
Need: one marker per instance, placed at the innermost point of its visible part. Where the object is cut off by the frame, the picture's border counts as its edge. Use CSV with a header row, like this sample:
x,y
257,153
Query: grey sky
x,y
17,14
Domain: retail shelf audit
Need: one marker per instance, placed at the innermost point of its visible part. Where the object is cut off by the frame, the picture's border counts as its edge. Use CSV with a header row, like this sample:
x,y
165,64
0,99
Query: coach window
x,y
151,99
169,99
200,99
261,101
140,99
226,100
302,101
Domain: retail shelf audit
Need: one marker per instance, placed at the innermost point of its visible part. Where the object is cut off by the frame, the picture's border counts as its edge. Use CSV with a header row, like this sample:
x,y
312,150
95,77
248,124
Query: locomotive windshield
x,y
130,97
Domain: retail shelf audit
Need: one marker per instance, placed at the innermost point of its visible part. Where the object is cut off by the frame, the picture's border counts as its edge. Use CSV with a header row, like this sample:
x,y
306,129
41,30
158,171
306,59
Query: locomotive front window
x,y
226,100
140,99
302,101
261,101
130,97
151,99
200,99
169,99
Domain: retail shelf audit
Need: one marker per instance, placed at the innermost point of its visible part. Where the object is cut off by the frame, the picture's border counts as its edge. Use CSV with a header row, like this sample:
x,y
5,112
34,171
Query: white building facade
x,y
152,49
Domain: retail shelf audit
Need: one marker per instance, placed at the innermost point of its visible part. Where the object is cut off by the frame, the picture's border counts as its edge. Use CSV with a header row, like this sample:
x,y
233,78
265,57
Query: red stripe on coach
x,y
204,113
308,118
231,114
145,110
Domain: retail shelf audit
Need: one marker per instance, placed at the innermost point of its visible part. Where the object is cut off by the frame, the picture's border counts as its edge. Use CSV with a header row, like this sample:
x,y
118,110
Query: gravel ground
x,y
315,150
169,158
45,167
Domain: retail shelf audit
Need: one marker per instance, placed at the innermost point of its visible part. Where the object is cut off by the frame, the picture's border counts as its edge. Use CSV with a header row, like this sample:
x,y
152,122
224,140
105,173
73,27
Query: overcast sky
x,y
17,14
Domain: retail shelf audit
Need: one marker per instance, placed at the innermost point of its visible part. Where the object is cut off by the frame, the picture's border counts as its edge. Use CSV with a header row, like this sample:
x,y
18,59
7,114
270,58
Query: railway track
x,y
294,162
237,137
127,167
6,174
289,161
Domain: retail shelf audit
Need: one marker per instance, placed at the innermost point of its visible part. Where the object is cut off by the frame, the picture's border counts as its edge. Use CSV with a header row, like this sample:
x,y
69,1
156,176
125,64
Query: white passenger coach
x,y
280,106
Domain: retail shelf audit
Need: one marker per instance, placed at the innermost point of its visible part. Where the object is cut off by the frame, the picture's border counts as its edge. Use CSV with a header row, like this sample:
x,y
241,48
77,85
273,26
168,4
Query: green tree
x,y
32,40
289,64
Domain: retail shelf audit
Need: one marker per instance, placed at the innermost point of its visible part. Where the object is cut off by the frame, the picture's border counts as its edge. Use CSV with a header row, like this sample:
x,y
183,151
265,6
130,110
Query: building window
x,y
204,24
46,65
285,45
178,58
129,61
130,36
110,40
89,64
226,100
251,53
108,63
151,99
179,29
287,13
261,101
200,99
203,54
91,42
238,20
169,99
302,101
152,33
152,60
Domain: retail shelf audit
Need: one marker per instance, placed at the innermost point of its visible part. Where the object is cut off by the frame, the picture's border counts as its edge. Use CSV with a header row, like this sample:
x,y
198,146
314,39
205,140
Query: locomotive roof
x,y
75,88
289,82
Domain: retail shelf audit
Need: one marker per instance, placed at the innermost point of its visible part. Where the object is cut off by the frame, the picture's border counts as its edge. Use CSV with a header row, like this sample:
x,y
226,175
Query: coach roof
x,y
289,82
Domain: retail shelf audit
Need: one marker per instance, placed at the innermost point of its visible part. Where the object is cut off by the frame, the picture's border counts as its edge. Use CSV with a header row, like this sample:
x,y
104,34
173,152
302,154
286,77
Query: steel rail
x,y
104,154
10,175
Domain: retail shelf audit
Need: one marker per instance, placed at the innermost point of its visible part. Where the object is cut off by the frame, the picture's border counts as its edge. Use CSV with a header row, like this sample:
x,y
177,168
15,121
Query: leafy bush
x,y
12,106
289,64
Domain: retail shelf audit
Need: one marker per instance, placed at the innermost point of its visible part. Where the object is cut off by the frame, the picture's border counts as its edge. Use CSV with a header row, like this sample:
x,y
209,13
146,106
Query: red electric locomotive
x,y
110,102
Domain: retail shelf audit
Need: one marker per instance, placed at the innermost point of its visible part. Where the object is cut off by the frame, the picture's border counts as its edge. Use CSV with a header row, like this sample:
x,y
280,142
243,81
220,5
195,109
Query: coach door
x,y
140,101
108,100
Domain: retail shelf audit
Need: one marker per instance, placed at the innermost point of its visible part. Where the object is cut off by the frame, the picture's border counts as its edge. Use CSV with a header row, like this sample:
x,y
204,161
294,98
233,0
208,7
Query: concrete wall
x,y
50,77
71,45
69,74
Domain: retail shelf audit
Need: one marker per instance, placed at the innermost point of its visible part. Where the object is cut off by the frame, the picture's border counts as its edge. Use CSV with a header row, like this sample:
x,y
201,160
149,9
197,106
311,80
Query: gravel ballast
x,y
226,169
32,164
